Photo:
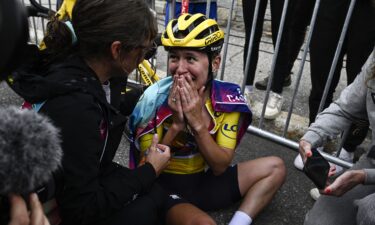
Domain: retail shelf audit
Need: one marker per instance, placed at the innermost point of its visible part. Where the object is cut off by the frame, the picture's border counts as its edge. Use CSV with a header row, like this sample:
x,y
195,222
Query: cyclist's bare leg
x,y
188,214
259,180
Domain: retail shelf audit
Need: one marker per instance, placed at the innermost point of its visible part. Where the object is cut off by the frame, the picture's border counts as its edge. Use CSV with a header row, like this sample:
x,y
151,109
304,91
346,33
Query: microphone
x,y
30,150
14,34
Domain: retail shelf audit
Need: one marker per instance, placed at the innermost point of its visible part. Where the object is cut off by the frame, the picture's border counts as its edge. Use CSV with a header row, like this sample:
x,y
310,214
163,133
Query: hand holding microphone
x,y
19,214
29,154
29,148
29,145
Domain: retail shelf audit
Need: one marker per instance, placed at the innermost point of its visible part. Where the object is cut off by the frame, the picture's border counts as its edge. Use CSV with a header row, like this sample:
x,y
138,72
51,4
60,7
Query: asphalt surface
x,y
292,201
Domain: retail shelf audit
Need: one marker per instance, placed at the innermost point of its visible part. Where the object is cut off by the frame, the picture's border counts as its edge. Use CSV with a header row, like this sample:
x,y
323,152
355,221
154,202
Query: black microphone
x,y
14,34
30,150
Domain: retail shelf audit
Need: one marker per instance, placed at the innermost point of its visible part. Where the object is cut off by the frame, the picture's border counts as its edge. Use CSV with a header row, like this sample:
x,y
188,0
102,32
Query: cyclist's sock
x,y
240,218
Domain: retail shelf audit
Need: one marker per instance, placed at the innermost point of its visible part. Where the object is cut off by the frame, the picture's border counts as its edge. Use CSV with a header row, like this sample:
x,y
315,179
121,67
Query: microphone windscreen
x,y
29,150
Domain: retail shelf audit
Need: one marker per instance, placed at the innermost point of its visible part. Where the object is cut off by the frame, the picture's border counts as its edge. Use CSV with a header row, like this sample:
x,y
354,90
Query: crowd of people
x,y
185,128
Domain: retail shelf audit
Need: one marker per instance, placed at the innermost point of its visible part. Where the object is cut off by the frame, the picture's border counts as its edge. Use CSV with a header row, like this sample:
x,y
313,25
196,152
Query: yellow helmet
x,y
193,31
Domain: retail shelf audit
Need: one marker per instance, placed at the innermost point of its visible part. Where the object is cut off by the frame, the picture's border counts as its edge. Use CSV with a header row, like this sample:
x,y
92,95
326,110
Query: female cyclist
x,y
202,120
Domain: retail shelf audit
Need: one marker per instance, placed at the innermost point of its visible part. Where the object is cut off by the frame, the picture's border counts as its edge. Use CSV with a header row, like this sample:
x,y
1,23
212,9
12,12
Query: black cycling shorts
x,y
204,190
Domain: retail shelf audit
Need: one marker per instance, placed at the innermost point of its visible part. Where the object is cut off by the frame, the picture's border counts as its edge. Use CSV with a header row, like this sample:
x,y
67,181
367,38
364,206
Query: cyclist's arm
x,y
219,153
170,135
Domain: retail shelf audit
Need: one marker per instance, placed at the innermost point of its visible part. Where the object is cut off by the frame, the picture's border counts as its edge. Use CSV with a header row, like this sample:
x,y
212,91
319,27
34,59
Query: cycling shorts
x,y
204,189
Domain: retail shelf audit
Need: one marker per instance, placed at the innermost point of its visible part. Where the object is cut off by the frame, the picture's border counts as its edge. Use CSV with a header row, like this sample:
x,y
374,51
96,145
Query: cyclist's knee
x,y
202,220
277,166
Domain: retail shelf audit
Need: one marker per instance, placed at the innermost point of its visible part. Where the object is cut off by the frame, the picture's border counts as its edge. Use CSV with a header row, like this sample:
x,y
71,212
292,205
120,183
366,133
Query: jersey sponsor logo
x,y
235,98
229,131
232,128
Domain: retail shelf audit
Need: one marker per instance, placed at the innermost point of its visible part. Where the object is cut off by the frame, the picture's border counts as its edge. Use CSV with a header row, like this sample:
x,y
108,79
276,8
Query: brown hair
x,y
98,23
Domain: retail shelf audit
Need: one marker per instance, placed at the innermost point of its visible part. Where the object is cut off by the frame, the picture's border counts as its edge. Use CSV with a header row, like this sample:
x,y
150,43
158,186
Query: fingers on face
x,y
190,83
174,94
185,96
174,87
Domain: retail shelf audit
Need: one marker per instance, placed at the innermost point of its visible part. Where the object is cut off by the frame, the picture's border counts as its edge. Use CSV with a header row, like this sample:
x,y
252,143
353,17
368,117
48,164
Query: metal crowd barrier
x,y
36,24
258,130
281,139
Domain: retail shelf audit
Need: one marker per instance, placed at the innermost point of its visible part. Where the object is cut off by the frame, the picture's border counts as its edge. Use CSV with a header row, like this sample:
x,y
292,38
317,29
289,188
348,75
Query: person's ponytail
x,y
59,38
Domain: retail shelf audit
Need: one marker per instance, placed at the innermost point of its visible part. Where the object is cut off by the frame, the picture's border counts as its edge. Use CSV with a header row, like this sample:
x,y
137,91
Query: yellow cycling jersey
x,y
186,158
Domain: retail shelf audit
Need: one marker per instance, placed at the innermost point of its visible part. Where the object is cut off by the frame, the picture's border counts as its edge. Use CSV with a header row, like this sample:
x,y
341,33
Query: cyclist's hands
x,y
345,182
158,155
19,214
174,102
304,150
192,101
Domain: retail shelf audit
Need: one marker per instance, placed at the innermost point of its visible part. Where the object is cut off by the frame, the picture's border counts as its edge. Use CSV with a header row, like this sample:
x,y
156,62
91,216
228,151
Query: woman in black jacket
x,y
103,43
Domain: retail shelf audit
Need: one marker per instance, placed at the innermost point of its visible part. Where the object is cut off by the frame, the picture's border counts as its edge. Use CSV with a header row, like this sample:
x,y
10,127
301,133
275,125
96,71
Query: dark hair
x,y
98,23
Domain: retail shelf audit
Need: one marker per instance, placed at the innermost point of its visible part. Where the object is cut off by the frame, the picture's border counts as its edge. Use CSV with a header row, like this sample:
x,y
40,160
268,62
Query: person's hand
x,y
192,101
345,182
19,214
174,102
304,150
158,155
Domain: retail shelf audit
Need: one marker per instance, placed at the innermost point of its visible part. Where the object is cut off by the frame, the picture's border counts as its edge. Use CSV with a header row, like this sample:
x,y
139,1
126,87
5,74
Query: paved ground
x,y
292,201
289,205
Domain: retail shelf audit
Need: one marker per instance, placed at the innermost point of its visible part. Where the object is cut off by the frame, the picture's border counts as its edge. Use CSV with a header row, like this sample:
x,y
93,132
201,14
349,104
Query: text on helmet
x,y
212,38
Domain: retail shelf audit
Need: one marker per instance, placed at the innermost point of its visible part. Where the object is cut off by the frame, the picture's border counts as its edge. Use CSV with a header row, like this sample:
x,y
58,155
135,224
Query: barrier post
x,y
226,41
300,70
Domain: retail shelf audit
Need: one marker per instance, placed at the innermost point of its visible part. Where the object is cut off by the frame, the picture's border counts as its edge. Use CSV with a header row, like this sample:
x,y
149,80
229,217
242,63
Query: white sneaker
x,y
344,155
314,193
347,156
298,162
273,107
